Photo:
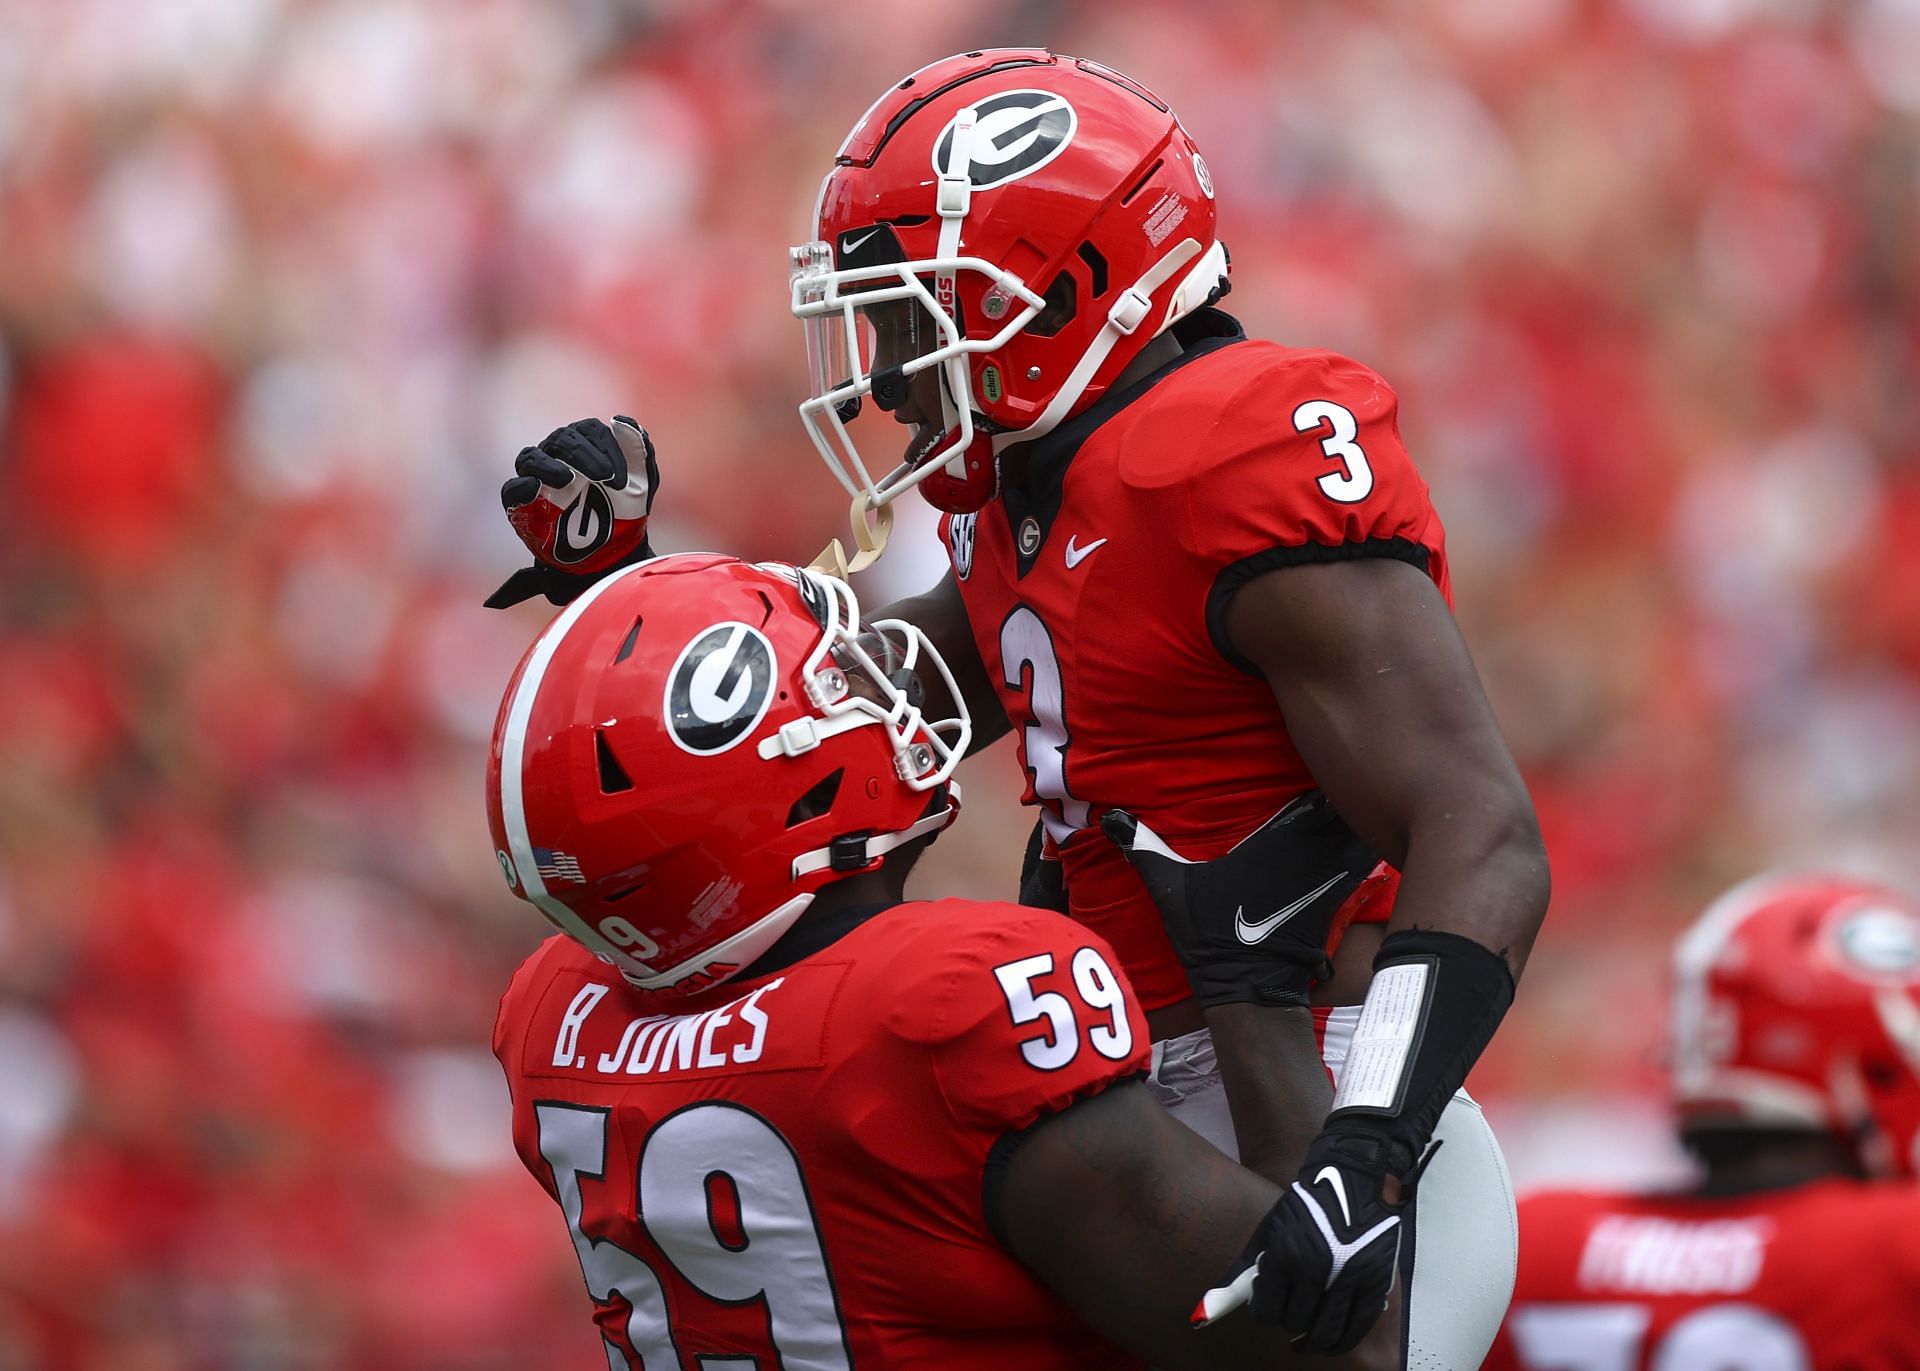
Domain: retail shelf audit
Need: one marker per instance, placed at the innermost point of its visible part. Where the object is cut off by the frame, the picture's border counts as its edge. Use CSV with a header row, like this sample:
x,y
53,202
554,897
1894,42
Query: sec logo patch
x,y
960,542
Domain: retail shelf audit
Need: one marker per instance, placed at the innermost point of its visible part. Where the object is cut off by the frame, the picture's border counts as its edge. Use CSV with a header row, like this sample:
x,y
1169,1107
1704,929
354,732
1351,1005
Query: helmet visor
x,y
847,345
880,326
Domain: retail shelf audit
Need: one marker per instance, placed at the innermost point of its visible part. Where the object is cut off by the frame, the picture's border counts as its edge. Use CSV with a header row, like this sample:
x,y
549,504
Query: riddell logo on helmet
x,y
1202,175
1014,133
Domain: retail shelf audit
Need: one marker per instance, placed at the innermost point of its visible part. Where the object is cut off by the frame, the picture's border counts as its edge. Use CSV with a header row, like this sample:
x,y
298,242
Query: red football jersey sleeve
x,y
1305,463
1824,1275
1097,592
1026,981
793,1168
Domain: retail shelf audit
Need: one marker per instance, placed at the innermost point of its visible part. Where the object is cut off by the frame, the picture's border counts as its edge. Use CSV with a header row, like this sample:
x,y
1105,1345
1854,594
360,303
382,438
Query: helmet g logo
x,y
1881,943
1015,132
719,688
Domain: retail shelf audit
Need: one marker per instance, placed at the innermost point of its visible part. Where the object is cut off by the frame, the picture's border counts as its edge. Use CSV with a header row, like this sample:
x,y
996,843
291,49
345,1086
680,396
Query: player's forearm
x,y
1277,1087
1481,874
940,615
1471,898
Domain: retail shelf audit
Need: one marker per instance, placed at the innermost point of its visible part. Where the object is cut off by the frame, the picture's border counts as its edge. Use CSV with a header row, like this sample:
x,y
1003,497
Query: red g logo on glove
x,y
581,498
569,537
580,502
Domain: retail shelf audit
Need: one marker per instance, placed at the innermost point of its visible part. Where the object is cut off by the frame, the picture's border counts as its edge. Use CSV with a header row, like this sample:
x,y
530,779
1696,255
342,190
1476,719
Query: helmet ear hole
x,y
1881,1075
818,800
1061,306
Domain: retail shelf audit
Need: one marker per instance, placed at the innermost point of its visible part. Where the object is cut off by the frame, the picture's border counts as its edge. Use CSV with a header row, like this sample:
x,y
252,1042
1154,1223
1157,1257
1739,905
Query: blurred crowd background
x,y
284,284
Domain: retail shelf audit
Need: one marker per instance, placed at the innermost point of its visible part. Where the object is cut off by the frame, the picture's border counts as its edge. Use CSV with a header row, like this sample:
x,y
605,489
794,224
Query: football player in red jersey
x,y
1797,1082
793,1120
1198,576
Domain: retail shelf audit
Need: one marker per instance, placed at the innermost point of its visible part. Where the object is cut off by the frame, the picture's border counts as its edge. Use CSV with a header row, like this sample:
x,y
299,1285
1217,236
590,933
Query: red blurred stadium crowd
x,y
285,283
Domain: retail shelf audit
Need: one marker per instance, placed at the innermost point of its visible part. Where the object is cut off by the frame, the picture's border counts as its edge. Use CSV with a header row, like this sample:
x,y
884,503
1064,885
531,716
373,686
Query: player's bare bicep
x,y
1379,691
1128,1216
1382,700
1321,621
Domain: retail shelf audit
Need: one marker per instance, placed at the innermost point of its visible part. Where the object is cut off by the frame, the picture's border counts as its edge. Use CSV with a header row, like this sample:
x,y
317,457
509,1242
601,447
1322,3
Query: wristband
x,y
1435,1001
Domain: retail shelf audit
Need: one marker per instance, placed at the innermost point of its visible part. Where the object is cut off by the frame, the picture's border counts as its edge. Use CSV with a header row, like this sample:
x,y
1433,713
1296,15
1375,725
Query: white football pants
x,y
1462,1238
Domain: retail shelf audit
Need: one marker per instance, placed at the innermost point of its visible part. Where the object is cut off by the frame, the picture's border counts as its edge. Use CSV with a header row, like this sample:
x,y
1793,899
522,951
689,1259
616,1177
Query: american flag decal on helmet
x,y
557,866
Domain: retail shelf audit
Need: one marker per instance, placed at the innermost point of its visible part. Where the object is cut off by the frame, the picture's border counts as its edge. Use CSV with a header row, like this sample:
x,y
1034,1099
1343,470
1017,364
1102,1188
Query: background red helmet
x,y
1797,1005
1023,221
695,746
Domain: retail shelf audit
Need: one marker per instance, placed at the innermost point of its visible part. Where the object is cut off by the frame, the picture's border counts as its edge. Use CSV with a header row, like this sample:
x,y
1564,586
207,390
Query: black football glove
x,y
1322,1262
1251,927
1043,880
580,502
1329,1250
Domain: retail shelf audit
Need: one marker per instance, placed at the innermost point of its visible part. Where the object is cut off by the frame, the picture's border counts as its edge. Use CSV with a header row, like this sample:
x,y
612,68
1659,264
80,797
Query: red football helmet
x,y
1797,1005
1024,222
696,745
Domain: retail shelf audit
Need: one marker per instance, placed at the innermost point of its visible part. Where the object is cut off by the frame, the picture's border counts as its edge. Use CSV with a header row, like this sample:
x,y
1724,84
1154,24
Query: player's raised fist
x,y
580,502
1251,927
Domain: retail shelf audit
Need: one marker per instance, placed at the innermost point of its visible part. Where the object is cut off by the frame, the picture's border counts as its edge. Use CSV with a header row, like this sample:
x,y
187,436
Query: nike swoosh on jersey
x,y
1328,1173
1257,932
1077,555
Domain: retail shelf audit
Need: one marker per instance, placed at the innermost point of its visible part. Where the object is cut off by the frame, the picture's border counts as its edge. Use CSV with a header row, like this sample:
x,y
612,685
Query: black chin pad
x,y
848,410
889,388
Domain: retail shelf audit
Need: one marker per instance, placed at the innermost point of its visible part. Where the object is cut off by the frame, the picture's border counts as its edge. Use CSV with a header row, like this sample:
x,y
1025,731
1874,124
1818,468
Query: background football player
x,y
792,1119
1197,576
1796,1076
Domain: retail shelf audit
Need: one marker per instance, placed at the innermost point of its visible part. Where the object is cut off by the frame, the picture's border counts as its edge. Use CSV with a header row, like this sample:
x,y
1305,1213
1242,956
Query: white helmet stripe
x,y
513,750
1694,955
1699,947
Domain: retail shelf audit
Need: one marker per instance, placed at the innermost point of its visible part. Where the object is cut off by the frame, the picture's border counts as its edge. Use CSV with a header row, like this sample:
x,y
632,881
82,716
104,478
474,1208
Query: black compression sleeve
x,y
1435,1001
